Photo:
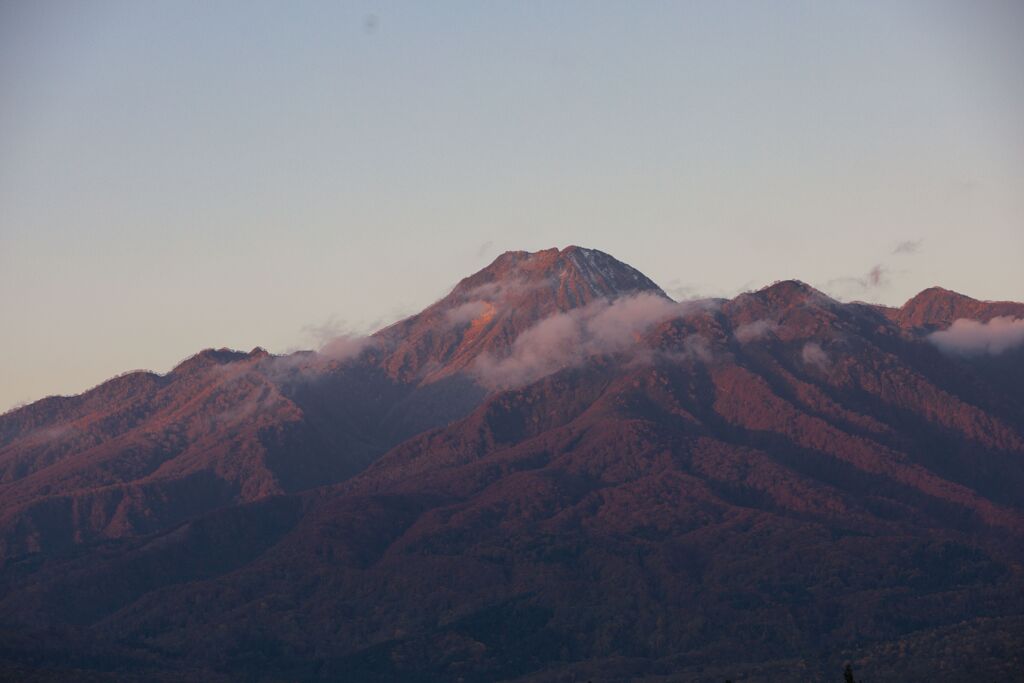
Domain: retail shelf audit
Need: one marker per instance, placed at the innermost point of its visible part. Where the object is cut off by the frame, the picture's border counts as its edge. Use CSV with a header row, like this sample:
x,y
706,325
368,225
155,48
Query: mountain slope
x,y
144,452
938,308
487,311
765,487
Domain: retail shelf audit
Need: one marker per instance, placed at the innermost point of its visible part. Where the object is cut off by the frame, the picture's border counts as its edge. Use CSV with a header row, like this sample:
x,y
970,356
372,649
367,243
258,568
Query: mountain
x,y
554,473
486,312
144,452
938,308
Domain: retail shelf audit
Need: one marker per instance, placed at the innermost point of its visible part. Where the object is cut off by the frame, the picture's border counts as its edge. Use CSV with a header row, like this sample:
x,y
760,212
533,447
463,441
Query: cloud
x,y
324,332
755,330
334,340
469,311
52,433
251,408
908,247
345,346
484,249
876,278
306,365
679,290
499,291
967,337
697,347
618,324
813,354
544,348
684,291
568,339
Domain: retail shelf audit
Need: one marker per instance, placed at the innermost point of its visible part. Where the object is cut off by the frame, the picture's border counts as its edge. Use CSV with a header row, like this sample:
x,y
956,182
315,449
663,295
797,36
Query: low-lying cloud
x,y
333,340
568,339
345,346
813,355
303,365
755,330
469,311
967,337
322,333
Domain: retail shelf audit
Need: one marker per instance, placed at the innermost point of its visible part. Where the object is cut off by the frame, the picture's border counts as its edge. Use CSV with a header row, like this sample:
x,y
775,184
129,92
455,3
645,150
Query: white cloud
x,y
813,354
345,346
755,330
967,337
568,339
467,312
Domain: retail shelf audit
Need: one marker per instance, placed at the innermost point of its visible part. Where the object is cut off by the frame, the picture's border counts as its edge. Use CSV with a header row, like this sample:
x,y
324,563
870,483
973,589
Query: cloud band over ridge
x,y
967,337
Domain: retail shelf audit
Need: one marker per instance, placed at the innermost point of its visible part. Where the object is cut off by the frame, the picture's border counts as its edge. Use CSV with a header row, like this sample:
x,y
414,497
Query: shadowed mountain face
x,y
554,473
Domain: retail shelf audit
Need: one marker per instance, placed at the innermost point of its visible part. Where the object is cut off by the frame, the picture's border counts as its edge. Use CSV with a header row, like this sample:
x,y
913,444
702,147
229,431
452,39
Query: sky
x,y
178,175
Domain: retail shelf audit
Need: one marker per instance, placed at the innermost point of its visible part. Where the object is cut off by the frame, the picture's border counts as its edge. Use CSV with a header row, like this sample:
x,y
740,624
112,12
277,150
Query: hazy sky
x,y
181,175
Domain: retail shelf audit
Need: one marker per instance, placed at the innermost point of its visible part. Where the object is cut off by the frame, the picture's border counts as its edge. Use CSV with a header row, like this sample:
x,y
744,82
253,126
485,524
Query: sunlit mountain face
x,y
554,473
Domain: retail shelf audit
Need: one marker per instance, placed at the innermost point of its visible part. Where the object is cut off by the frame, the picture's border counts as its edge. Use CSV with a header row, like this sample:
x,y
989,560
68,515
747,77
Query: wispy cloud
x,y
322,333
967,337
500,290
254,405
345,346
812,354
908,247
334,339
878,277
686,291
484,249
697,347
568,339
467,312
755,330
679,290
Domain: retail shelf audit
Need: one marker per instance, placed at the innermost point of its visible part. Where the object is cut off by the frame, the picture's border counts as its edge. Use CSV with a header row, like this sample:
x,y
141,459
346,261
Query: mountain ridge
x,y
662,481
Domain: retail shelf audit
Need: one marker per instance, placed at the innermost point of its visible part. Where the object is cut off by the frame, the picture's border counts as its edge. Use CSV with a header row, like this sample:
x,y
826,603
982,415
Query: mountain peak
x,y
791,292
208,358
636,450
575,275
937,296
488,310
937,307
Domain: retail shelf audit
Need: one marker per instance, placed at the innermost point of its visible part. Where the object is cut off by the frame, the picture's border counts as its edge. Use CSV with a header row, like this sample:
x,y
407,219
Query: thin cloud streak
x,y
908,247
